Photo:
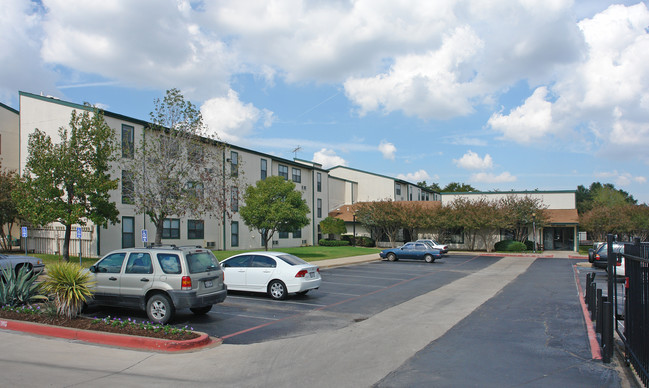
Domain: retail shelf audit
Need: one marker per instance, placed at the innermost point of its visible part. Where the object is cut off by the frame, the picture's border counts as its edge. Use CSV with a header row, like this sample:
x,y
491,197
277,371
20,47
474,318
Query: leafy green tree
x,y
178,169
381,217
69,182
518,214
433,186
455,187
333,225
479,217
599,194
8,210
273,205
601,220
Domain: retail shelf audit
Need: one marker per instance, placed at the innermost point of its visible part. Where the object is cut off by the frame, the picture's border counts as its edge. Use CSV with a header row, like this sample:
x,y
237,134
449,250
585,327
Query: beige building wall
x,y
552,199
9,132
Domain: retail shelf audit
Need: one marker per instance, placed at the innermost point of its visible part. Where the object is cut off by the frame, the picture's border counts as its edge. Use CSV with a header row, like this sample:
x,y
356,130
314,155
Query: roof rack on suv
x,y
166,246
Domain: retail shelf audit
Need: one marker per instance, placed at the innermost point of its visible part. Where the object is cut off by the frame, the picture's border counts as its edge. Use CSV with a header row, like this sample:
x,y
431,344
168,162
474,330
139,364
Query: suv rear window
x,y
201,262
169,263
292,260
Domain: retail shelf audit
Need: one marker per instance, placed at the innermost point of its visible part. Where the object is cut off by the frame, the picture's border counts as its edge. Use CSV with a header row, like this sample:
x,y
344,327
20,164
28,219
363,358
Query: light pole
x,y
354,226
534,229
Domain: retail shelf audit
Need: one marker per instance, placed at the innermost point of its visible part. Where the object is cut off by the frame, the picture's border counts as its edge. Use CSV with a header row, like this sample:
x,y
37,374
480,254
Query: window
x,y
319,182
397,189
128,187
263,262
234,163
234,199
297,175
454,236
283,171
195,189
111,263
128,141
128,232
169,263
297,234
319,212
283,234
171,228
264,169
195,229
234,233
139,263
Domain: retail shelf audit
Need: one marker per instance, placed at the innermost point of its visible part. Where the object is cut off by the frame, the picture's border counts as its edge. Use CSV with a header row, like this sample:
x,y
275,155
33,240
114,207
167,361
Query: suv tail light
x,y
302,273
186,283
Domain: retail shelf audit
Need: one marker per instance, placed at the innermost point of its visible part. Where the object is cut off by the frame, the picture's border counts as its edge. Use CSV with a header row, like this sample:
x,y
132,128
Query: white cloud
x,y
472,161
620,178
328,158
230,119
416,176
484,177
528,122
387,149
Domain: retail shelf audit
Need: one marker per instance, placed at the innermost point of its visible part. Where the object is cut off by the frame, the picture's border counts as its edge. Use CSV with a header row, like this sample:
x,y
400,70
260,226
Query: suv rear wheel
x,y
159,309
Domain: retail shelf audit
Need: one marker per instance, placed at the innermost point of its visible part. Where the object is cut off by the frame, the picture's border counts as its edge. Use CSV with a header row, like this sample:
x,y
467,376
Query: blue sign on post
x,y
145,236
78,232
23,231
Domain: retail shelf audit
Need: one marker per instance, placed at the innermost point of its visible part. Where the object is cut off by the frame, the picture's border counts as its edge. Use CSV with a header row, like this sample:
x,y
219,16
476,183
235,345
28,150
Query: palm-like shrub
x,y
18,288
70,285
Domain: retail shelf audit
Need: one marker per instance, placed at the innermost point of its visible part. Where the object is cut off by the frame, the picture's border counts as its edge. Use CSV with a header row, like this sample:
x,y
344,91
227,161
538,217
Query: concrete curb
x,y
111,339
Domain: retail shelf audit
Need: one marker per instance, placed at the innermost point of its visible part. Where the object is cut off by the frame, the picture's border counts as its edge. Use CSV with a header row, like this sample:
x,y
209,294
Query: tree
x,y
8,210
178,169
273,205
455,187
434,186
69,182
382,217
332,225
601,220
479,217
520,212
601,195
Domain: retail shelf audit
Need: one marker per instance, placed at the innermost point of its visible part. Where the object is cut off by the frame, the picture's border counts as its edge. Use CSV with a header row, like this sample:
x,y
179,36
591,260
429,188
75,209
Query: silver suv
x,y
159,280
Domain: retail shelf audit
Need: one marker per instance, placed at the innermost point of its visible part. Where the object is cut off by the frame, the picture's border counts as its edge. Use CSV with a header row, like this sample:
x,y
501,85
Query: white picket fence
x,y
49,239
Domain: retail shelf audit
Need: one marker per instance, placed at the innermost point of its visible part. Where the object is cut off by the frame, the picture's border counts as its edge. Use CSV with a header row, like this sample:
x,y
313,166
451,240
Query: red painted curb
x,y
595,351
112,339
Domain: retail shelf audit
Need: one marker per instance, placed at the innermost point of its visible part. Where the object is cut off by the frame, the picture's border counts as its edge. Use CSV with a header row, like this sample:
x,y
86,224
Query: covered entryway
x,y
559,239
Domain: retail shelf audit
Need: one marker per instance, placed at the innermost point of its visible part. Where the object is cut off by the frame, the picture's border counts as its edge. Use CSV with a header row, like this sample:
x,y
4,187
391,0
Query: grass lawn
x,y
314,253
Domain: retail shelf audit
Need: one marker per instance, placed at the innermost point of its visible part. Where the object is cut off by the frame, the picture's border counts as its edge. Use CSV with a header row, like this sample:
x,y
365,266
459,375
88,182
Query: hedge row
x,y
510,246
333,243
359,241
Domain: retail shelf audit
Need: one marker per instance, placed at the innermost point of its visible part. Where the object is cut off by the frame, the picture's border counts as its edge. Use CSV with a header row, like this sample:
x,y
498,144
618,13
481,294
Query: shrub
x,y
333,243
70,285
510,246
18,288
360,241
529,245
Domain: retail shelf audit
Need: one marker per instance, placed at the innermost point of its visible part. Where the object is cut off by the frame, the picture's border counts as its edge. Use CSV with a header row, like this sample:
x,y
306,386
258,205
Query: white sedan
x,y
275,273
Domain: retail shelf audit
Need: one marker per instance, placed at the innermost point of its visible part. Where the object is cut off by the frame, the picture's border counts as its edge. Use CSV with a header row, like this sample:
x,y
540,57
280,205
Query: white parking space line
x,y
244,316
274,301
353,284
340,293
365,277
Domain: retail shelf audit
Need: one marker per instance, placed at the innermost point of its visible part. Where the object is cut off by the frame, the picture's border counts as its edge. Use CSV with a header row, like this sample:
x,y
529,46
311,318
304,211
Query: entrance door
x,y
558,239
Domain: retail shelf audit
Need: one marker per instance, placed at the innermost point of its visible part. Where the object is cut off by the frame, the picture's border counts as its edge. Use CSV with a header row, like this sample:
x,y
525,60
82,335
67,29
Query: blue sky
x,y
503,95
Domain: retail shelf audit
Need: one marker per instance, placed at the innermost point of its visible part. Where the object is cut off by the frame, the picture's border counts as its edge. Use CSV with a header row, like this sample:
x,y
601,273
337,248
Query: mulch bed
x,y
87,324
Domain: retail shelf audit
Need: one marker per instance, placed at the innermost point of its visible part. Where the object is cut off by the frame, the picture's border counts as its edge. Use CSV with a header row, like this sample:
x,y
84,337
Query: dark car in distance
x,y
412,251
600,257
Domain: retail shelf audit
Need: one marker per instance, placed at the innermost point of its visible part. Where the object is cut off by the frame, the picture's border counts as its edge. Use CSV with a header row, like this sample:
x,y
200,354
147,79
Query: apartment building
x,y
49,114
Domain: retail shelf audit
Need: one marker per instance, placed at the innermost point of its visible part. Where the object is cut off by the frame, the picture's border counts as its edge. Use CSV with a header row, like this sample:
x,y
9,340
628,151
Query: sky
x,y
499,94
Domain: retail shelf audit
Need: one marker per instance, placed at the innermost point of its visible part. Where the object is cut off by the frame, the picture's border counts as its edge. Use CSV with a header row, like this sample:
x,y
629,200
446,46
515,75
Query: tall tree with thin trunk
x,y
179,168
69,182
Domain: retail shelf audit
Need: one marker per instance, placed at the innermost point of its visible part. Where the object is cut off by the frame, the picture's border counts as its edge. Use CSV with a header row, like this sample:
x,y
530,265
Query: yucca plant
x,y
18,288
70,285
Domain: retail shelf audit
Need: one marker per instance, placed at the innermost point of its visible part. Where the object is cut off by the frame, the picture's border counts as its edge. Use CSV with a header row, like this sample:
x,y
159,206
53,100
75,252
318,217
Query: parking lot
x,y
348,294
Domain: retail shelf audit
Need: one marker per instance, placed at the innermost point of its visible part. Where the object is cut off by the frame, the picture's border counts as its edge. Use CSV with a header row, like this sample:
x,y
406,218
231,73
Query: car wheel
x,y
277,290
159,309
392,257
302,292
429,259
201,310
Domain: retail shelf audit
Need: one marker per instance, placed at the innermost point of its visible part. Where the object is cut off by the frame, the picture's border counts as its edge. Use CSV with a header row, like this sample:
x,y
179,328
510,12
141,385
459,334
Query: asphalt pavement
x,y
516,322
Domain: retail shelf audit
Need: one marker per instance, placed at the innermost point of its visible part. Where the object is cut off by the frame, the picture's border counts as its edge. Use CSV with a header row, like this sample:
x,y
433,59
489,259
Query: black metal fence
x,y
634,331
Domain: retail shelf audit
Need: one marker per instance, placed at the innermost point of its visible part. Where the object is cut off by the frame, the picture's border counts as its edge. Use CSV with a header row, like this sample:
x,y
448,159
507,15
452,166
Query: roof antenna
x,y
296,150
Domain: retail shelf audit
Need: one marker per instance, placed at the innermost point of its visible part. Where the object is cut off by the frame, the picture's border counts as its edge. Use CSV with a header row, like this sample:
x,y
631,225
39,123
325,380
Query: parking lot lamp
x,y
534,229
354,226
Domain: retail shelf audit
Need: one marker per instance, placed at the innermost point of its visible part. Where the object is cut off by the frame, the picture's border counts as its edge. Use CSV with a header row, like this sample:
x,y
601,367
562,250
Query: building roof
x,y
562,216
425,189
346,212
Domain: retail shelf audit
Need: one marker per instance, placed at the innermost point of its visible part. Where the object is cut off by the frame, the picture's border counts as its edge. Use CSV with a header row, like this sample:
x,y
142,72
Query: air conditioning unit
x,y
210,244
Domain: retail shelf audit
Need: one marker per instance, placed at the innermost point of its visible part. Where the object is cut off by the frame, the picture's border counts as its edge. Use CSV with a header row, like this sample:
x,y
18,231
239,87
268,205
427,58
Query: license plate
x,y
208,283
